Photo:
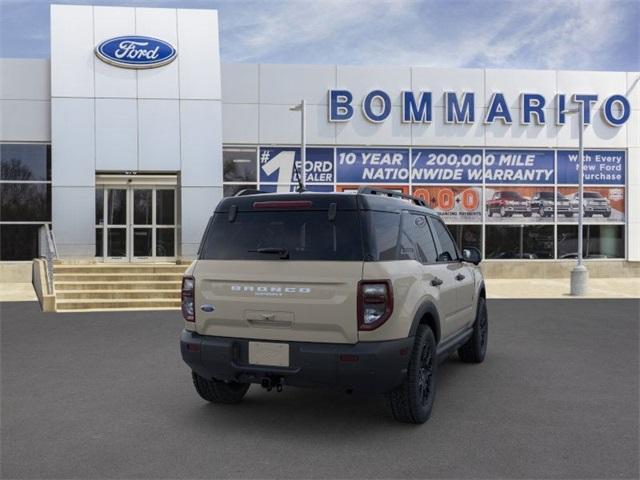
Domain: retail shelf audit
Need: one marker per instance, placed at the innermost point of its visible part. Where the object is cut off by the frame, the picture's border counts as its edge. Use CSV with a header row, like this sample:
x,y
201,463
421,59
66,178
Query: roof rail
x,y
391,193
248,191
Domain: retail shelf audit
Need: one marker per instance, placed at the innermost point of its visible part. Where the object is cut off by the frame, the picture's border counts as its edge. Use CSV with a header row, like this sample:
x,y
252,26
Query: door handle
x,y
436,282
460,277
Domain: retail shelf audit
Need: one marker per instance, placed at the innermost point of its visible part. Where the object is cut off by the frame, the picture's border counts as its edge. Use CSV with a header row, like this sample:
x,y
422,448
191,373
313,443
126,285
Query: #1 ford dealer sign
x,y
134,51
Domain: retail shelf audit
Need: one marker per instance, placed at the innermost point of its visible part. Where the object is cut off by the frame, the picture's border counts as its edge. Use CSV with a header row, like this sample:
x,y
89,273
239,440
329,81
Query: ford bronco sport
x,y
362,292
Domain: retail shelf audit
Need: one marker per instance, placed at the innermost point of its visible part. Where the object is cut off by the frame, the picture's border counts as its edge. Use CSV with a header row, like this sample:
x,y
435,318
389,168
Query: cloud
x,y
544,34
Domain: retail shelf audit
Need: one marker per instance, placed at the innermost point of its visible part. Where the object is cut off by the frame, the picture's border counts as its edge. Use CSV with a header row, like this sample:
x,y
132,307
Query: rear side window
x,y
448,251
418,230
382,235
276,235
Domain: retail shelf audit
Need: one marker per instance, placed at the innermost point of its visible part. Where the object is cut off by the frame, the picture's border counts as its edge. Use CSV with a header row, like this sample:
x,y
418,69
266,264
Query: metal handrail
x,y
50,252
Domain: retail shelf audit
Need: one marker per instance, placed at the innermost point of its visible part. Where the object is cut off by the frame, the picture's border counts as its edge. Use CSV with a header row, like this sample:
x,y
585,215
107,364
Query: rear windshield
x,y
284,235
592,195
512,195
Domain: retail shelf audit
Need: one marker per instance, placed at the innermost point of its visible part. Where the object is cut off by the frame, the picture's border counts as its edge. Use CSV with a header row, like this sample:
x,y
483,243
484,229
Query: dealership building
x,y
126,163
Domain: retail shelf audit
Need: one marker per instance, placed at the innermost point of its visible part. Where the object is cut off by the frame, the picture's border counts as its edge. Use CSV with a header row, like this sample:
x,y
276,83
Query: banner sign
x,y
600,167
454,203
372,165
518,166
277,165
434,165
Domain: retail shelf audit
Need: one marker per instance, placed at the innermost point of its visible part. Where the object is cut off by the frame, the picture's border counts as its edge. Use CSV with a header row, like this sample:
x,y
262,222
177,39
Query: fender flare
x,y
426,308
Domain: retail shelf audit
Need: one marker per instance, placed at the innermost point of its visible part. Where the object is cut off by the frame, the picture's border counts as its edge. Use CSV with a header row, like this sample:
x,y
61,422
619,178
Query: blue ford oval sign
x,y
134,51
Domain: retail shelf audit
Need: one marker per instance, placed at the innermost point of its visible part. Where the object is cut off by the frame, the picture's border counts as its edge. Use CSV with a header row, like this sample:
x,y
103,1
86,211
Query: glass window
x,y
117,242
25,202
25,162
383,235
165,242
418,230
99,242
598,241
274,235
448,250
99,206
519,241
142,206
142,242
239,164
18,242
117,207
231,190
467,235
165,207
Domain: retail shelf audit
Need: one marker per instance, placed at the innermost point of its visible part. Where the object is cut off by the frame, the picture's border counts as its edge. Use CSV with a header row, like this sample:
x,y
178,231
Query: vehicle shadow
x,y
301,409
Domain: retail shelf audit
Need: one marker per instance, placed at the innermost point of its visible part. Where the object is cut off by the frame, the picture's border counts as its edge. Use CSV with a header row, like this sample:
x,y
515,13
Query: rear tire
x,y
217,391
475,349
412,401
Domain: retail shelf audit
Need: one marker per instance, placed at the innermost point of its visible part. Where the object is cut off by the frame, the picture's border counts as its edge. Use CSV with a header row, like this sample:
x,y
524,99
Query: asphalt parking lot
x,y
106,395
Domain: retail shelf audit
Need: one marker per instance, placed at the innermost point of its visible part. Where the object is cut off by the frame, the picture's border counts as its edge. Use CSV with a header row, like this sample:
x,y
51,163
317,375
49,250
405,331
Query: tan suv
x,y
363,292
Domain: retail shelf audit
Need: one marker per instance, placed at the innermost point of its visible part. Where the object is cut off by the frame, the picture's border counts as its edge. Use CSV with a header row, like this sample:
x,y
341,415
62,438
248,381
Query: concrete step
x,y
159,285
99,304
117,277
124,268
118,294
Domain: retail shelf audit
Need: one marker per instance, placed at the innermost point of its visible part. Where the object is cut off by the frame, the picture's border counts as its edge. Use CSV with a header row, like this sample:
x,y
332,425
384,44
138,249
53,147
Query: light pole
x,y
580,274
303,141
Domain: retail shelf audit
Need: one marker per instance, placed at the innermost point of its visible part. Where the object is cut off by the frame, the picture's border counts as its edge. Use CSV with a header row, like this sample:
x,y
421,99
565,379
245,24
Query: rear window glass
x,y
277,235
384,229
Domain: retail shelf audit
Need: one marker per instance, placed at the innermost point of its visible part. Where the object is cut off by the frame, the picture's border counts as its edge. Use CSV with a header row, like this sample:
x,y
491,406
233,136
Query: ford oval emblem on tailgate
x,y
207,308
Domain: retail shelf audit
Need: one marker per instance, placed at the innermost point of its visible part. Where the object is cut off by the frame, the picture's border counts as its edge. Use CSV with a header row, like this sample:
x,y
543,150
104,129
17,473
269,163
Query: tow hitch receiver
x,y
270,383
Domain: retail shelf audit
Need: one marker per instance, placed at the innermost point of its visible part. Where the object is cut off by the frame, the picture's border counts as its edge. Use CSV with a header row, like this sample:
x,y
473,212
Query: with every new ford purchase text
x,y
362,292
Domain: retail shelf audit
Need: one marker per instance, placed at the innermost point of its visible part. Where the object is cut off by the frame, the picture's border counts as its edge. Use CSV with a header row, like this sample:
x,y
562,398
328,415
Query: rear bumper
x,y
374,367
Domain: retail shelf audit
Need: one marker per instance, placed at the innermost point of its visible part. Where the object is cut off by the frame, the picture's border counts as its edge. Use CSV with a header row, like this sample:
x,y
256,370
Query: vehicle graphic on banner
x,y
600,204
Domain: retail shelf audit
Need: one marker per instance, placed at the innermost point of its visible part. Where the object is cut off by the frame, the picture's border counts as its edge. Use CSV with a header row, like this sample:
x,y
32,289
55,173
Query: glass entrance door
x,y
136,223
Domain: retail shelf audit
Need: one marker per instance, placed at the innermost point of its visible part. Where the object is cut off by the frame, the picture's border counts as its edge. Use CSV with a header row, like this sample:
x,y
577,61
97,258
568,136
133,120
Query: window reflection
x,y
239,164
25,202
25,162
528,242
598,241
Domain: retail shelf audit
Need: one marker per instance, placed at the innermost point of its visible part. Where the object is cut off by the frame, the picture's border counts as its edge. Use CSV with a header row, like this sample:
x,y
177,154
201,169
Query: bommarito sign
x,y
460,108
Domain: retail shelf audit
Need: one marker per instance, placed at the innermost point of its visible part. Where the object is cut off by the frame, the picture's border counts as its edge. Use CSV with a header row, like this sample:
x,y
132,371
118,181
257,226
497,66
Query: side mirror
x,y
471,255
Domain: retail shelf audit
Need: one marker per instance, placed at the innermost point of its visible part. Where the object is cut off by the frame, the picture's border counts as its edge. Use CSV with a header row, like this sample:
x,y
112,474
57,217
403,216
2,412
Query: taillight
x,y
375,303
188,300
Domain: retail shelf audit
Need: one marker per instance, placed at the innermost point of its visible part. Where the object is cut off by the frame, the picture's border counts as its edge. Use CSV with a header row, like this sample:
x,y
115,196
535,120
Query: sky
x,y
534,34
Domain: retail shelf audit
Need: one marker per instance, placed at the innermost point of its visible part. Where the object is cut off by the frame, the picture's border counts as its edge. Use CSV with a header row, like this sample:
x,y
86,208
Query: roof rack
x,y
391,193
248,191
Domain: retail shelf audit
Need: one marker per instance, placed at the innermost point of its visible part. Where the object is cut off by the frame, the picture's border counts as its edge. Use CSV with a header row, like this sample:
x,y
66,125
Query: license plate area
x,y
269,354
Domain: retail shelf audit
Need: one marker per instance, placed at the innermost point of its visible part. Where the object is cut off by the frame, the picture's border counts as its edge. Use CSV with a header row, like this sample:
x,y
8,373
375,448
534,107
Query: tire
x,y
606,214
568,215
412,402
490,212
503,212
541,212
217,391
527,214
475,349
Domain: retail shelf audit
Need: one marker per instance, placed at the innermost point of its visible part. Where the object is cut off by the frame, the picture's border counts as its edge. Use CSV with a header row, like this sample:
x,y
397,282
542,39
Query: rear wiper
x,y
283,252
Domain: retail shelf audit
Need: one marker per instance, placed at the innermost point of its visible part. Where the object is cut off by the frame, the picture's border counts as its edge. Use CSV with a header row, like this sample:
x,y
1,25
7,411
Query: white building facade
x,y
127,164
